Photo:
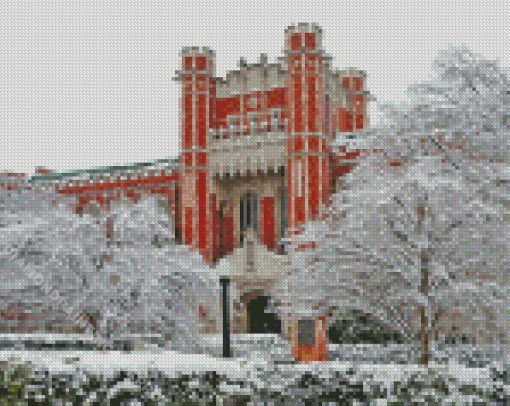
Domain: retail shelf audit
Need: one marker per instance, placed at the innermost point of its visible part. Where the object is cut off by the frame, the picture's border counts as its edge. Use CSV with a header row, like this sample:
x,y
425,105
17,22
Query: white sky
x,y
88,83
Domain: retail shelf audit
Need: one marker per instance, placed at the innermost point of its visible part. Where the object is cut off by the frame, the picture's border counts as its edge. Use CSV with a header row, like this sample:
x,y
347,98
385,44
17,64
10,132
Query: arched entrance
x,y
260,322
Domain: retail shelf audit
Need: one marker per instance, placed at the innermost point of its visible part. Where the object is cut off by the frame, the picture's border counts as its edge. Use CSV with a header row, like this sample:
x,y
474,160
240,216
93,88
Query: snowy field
x,y
168,377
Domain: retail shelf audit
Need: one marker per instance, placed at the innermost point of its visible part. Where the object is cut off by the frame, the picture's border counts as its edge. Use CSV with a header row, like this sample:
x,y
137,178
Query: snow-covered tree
x,y
462,115
432,233
431,222
404,238
122,268
166,282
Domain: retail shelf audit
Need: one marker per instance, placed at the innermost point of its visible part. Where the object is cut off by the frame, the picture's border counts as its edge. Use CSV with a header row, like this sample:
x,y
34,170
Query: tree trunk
x,y
424,263
424,360
425,356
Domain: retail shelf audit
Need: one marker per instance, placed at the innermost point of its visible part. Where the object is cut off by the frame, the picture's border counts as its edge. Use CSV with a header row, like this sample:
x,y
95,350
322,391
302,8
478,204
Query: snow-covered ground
x,y
171,363
107,363
255,372
249,350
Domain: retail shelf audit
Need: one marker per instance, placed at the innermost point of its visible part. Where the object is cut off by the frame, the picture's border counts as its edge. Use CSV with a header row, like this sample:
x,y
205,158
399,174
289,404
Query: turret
x,y
356,100
307,146
195,206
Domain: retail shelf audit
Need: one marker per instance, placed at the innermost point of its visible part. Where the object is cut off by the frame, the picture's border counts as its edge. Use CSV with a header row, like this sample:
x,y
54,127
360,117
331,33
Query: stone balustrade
x,y
240,154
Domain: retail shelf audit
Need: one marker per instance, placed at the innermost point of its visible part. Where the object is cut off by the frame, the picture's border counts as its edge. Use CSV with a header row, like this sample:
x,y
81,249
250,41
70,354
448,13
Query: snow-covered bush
x,y
315,384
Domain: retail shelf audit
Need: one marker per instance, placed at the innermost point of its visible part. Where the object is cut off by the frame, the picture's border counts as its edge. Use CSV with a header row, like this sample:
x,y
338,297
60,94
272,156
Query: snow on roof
x,y
107,170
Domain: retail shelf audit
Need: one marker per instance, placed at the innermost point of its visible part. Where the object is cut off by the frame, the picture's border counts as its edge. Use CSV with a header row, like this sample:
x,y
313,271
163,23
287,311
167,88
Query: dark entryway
x,y
260,322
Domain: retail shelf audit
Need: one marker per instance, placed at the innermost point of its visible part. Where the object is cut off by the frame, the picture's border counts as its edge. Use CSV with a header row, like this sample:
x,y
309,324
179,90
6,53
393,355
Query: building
x,y
13,181
257,157
256,145
257,161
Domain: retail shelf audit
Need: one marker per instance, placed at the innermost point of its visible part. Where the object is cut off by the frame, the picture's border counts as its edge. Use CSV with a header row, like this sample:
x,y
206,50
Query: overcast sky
x,y
88,83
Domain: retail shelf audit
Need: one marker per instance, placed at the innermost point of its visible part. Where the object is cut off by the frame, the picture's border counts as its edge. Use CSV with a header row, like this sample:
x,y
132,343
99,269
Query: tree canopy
x,y
423,218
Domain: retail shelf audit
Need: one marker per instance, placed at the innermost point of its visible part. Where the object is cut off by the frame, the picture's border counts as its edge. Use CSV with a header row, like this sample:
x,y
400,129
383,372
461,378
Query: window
x,y
283,217
276,119
233,126
295,42
299,183
248,213
310,41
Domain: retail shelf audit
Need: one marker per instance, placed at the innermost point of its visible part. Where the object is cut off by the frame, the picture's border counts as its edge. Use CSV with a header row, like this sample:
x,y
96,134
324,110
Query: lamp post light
x,y
224,281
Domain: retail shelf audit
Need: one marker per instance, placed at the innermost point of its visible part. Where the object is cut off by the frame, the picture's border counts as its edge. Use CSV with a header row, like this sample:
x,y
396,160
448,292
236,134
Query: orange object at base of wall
x,y
306,354
319,351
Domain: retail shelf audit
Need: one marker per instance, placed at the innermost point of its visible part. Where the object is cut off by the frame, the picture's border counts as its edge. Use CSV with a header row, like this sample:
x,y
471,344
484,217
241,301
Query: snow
x,y
466,374
46,338
255,375
108,363
256,362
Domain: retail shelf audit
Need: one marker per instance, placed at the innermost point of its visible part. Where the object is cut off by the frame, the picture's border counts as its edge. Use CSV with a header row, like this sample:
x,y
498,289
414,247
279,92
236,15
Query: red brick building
x,y
256,146
257,158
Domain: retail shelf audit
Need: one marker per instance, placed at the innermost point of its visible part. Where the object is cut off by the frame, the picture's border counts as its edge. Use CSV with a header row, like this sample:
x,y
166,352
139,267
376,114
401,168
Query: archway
x,y
260,322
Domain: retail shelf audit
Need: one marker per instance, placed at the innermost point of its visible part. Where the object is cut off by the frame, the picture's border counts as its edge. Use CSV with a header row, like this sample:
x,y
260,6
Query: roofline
x,y
103,170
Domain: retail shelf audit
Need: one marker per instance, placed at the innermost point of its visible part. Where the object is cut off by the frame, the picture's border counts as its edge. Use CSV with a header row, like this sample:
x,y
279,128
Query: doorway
x,y
260,322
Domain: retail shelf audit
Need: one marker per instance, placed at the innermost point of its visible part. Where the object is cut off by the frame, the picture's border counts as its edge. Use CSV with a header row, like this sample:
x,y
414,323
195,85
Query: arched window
x,y
248,213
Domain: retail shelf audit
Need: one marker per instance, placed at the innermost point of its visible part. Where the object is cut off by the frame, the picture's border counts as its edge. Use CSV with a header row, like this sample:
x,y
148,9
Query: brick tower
x,y
196,202
305,107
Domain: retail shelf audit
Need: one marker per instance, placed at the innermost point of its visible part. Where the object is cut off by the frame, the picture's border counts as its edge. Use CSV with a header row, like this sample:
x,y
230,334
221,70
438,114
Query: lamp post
x,y
226,317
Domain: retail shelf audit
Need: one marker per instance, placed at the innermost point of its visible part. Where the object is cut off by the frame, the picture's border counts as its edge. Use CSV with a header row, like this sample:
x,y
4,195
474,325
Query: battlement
x,y
198,51
303,28
304,37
